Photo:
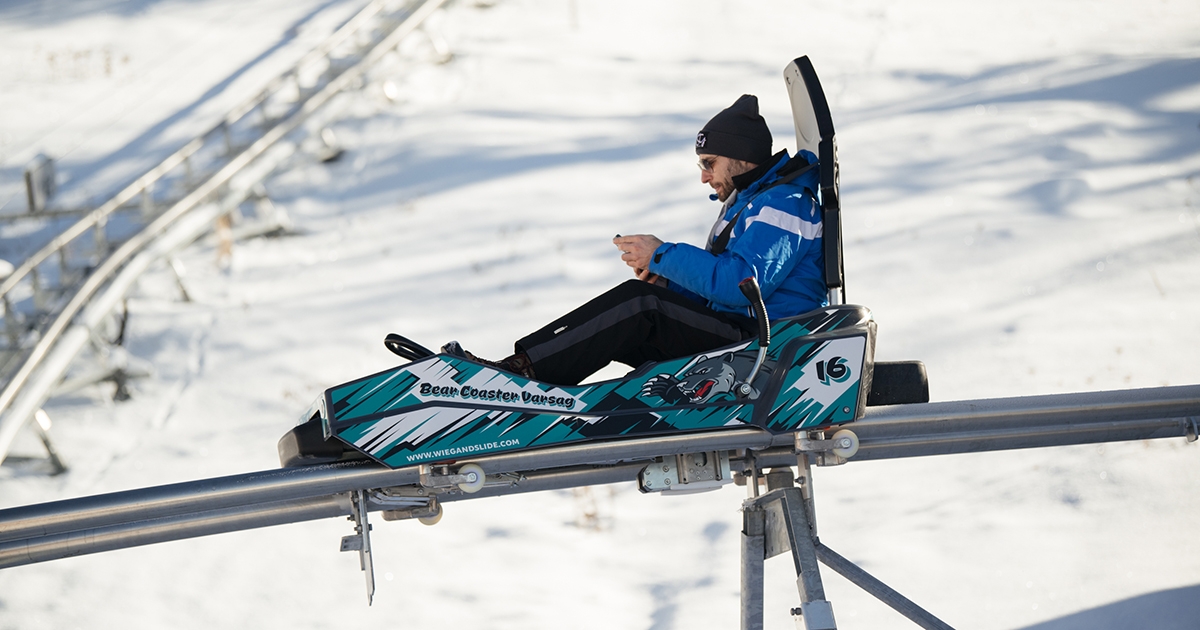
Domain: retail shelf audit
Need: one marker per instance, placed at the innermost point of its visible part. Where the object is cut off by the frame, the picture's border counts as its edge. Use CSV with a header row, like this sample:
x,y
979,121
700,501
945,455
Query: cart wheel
x,y
432,519
845,443
475,478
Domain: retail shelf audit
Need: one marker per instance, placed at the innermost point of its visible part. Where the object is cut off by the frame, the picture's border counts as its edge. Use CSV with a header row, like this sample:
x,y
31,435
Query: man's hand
x,y
636,251
646,276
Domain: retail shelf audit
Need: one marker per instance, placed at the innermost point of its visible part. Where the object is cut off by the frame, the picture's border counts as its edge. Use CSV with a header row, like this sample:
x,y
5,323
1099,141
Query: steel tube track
x,y
149,531
313,481
106,522
72,541
972,426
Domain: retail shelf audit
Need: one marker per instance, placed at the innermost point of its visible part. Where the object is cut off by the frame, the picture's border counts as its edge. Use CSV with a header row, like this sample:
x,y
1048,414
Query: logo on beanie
x,y
700,140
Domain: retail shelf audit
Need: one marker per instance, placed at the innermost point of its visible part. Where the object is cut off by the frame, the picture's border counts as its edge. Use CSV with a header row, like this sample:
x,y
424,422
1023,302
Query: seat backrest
x,y
814,132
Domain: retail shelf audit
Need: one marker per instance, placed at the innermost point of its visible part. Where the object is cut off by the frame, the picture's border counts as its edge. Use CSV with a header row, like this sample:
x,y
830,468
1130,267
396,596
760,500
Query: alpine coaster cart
x,y
804,376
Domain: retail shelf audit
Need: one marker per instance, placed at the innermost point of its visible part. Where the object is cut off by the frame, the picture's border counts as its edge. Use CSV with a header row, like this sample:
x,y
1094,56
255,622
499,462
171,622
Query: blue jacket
x,y
777,239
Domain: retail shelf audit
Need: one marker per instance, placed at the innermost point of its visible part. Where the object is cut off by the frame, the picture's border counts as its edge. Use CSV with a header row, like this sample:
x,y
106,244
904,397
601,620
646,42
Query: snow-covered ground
x,y
1020,183
111,87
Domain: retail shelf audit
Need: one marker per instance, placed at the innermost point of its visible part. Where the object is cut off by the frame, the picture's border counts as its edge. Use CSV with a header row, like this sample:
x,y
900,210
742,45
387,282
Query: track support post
x,y
783,520
753,537
774,523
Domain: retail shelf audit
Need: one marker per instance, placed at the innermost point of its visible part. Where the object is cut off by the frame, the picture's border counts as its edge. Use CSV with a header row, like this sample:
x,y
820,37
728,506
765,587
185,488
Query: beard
x,y
723,190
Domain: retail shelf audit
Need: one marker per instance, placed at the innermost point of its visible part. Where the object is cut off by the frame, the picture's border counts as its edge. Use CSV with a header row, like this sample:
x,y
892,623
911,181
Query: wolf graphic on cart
x,y
806,375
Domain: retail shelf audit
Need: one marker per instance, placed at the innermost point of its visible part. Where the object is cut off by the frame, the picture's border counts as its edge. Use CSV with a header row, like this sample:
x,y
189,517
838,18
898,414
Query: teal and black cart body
x,y
441,409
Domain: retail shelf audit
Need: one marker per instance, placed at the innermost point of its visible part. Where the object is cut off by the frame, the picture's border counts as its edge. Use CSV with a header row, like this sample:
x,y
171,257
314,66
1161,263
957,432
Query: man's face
x,y
716,171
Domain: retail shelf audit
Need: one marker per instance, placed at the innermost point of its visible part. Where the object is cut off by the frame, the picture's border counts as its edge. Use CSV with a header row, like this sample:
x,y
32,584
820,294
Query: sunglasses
x,y
706,164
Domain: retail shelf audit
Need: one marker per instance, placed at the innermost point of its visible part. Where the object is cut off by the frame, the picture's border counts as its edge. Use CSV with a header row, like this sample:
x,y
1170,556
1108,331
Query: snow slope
x,y
1020,183
111,87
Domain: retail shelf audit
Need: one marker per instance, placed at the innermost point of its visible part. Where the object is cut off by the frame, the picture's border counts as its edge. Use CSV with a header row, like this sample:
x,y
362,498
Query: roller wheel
x,y
432,519
475,478
845,443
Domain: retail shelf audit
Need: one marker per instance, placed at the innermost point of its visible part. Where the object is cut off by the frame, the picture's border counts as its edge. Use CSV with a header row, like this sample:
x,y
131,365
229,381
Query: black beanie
x,y
737,132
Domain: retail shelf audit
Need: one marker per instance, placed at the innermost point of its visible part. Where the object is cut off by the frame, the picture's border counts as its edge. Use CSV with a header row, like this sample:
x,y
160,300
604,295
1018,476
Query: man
x,y
686,299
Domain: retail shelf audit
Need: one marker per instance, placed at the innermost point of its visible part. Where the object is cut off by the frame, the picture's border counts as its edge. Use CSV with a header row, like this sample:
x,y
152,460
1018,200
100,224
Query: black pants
x,y
632,323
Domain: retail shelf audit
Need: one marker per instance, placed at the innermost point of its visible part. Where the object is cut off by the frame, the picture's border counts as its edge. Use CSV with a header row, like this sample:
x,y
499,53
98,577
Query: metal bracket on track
x,y
468,478
429,511
440,477
360,540
686,473
822,451
406,502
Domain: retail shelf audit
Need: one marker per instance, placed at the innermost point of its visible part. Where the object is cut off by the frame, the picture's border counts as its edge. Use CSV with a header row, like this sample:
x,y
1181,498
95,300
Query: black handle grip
x,y
749,288
405,347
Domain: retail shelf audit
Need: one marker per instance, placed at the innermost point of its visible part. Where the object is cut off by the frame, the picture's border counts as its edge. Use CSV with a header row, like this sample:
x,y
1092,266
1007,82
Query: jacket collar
x,y
755,178
747,179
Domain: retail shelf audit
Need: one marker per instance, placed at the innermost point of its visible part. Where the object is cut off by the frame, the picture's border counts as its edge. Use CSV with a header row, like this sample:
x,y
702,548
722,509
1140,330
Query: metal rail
x,y
1028,422
11,423
61,529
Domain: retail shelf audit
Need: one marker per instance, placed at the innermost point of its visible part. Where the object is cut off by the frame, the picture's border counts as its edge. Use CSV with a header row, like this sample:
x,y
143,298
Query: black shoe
x,y
517,364
455,349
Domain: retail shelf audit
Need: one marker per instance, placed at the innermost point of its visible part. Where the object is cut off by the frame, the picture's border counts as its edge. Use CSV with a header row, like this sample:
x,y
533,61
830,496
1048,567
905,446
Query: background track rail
x,y
62,336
